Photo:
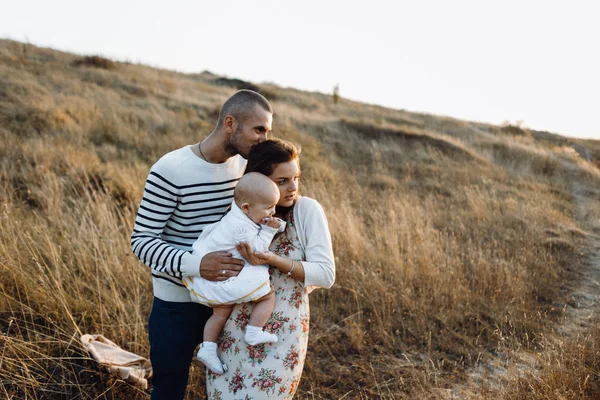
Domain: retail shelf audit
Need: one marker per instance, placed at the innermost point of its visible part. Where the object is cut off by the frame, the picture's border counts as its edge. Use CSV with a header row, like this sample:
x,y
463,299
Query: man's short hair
x,y
241,105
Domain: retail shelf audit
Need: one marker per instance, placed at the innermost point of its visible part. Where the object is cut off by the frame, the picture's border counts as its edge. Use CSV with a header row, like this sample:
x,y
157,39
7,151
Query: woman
x,y
301,258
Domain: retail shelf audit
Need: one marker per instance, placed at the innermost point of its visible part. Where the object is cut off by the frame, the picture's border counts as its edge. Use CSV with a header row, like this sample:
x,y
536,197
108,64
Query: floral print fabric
x,y
267,371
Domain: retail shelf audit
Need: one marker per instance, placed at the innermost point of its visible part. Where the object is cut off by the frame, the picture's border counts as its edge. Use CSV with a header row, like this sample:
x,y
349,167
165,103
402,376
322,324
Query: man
x,y
186,190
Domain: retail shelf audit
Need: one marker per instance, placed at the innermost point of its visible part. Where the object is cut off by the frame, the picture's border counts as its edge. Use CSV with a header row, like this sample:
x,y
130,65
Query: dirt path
x,y
585,301
580,311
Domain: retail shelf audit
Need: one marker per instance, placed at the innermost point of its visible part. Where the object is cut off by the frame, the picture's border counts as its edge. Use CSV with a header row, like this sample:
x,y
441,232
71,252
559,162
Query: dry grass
x,y
569,370
454,243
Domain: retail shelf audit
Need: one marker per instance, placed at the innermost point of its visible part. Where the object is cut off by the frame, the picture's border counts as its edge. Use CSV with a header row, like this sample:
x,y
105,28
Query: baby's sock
x,y
255,335
208,355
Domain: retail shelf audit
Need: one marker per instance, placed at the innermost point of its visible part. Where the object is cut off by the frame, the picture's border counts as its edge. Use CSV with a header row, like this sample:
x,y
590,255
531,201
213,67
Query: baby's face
x,y
262,206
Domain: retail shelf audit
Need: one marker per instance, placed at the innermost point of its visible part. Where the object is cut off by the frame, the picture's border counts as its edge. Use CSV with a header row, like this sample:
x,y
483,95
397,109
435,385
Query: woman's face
x,y
286,176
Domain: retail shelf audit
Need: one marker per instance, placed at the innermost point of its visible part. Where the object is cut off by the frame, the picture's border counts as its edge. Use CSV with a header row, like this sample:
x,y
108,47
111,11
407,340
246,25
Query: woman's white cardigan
x,y
315,239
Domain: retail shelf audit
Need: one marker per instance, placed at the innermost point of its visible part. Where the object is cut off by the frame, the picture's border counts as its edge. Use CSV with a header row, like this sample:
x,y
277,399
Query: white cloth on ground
x,y
128,366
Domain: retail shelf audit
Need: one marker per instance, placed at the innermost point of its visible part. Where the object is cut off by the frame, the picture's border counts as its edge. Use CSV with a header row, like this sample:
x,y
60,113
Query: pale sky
x,y
491,61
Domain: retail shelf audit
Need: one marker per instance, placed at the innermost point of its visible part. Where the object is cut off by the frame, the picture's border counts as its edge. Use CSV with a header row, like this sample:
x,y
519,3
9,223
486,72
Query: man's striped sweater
x,y
183,194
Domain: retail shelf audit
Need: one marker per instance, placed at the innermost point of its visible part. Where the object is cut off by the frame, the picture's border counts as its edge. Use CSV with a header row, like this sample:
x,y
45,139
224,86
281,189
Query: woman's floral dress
x,y
268,370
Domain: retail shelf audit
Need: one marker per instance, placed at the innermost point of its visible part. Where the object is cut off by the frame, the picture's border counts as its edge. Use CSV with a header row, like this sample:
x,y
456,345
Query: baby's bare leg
x,y
216,322
208,349
263,308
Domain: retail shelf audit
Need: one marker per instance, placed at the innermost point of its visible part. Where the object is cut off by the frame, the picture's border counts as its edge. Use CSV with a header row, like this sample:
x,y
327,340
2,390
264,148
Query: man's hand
x,y
220,266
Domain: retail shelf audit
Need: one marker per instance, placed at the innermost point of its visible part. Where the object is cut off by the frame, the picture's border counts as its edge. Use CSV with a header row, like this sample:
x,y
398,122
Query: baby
x,y
249,220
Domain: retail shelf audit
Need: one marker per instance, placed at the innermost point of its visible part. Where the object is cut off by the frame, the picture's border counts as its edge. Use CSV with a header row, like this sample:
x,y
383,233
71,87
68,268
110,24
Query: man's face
x,y
248,133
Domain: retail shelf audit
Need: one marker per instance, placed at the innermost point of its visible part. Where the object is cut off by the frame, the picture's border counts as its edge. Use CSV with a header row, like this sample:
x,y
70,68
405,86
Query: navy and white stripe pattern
x,y
171,218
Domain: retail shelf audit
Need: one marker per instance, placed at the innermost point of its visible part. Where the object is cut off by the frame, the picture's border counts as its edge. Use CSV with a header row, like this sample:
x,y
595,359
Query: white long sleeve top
x,y
315,239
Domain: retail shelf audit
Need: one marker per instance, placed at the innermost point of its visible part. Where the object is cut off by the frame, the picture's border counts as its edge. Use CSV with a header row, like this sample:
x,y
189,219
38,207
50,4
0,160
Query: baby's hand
x,y
272,222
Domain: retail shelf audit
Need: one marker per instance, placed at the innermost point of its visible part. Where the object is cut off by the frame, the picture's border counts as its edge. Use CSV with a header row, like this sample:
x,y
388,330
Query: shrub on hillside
x,y
95,62
269,93
514,129
236,83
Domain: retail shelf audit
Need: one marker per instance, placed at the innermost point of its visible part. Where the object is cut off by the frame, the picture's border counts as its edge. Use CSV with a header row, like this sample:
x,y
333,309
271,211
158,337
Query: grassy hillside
x,y
456,242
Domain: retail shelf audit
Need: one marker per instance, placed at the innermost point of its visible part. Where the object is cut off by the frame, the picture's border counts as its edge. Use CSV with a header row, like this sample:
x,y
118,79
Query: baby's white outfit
x,y
252,283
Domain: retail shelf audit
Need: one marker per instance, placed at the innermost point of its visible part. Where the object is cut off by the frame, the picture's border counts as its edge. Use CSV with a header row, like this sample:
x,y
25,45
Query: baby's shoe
x,y
208,355
255,335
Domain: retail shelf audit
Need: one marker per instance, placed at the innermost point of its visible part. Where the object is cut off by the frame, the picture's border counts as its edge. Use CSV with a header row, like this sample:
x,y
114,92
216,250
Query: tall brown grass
x,y
454,241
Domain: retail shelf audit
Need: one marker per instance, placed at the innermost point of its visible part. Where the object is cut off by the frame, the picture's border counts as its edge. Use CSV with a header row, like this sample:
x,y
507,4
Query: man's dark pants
x,y
174,329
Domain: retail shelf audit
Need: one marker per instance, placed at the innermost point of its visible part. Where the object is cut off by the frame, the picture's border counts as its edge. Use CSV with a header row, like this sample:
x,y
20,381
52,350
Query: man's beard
x,y
234,145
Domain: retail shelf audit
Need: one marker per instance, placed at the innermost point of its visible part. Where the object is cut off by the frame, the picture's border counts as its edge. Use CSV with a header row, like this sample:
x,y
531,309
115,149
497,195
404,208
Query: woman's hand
x,y
265,257
254,258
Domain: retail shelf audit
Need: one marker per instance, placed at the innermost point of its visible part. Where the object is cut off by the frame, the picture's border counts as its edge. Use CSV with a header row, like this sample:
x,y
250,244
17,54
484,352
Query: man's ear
x,y
230,124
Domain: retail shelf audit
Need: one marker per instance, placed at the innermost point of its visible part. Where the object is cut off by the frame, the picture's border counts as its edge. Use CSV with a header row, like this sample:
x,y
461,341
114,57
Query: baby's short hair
x,y
250,186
